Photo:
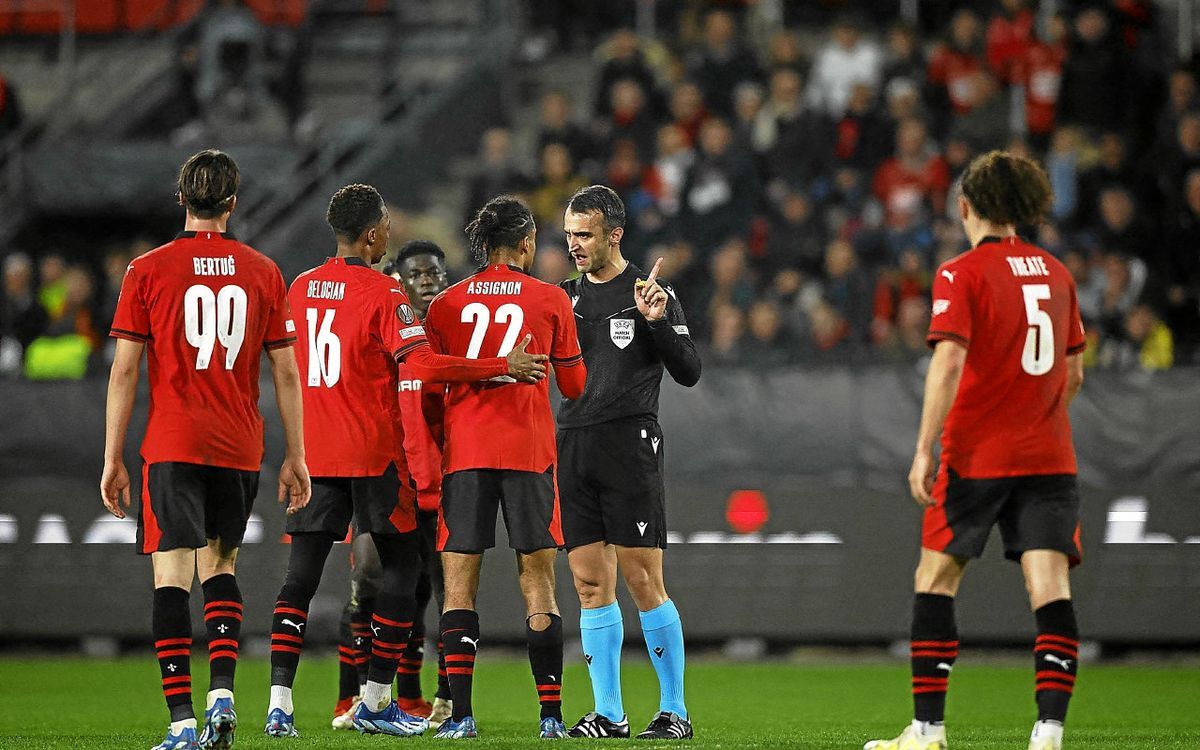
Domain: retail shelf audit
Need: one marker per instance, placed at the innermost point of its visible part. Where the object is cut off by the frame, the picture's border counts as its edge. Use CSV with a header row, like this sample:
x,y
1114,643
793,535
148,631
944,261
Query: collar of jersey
x,y
509,266
993,238
350,260
193,235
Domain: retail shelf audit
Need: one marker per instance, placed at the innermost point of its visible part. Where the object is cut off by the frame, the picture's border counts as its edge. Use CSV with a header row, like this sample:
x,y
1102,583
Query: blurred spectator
x,y
766,343
623,61
22,317
1095,82
906,340
62,352
231,45
1181,98
845,60
794,140
1009,36
828,334
1123,282
722,63
904,60
552,265
1122,229
638,186
847,289
896,287
1112,170
796,237
721,191
687,110
953,66
861,135
1039,73
910,185
748,101
557,127
1182,264
53,290
985,123
497,174
558,183
784,51
1145,343
630,121
10,107
672,165
725,344
1062,167
730,282
1174,164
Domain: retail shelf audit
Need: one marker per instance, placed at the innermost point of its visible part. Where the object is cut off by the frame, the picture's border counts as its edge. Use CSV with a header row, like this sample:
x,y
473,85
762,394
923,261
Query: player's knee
x,y
937,579
592,590
299,588
1042,592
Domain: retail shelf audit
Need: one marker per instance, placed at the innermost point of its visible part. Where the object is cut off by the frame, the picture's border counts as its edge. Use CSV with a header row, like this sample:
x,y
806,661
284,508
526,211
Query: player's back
x,y
347,344
206,307
501,424
1014,306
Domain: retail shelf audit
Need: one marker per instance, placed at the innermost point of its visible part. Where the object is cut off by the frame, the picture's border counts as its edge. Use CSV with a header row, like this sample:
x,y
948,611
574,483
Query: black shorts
x,y
1033,512
185,505
610,479
378,505
470,499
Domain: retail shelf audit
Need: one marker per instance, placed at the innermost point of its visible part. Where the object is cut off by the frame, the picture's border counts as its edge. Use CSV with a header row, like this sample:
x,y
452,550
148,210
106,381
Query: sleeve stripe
x,y
1077,348
403,350
935,336
567,361
279,343
121,333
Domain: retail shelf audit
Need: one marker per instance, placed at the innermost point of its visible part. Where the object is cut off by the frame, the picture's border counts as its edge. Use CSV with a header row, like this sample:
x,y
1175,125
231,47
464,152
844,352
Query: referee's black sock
x,y
223,622
305,565
1055,659
460,638
934,649
171,625
546,661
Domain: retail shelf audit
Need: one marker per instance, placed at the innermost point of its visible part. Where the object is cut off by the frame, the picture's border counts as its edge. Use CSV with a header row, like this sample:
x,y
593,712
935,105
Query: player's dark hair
x,y
502,222
353,210
599,198
418,247
1007,189
208,182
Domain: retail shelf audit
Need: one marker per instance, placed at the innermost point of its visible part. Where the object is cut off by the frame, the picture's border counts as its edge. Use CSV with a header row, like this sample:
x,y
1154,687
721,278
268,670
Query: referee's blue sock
x,y
603,633
664,639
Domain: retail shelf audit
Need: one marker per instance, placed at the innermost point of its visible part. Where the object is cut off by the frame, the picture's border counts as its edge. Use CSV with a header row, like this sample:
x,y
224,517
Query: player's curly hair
x,y
208,182
1007,189
599,198
502,222
353,210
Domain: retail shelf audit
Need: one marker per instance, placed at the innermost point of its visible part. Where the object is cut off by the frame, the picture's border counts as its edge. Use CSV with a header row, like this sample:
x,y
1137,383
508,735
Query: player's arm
x,y
1074,375
669,329
122,390
570,372
941,386
295,487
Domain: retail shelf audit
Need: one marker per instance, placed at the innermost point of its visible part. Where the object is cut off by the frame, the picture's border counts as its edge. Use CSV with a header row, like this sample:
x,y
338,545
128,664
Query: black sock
x,y
391,623
347,654
305,565
460,636
408,674
171,623
546,661
934,649
223,622
360,629
443,688
1055,659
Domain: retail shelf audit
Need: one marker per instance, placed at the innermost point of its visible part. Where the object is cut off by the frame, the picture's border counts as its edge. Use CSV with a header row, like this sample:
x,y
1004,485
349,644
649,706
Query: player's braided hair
x,y
502,222
1007,189
208,182
599,198
353,210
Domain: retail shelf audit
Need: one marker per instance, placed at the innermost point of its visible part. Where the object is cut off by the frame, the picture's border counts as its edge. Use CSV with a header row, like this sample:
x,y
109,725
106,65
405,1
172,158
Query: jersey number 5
x,y
479,314
209,317
1038,356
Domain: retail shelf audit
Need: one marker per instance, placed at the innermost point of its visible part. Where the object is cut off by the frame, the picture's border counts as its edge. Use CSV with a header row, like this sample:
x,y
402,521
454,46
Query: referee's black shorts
x,y
610,484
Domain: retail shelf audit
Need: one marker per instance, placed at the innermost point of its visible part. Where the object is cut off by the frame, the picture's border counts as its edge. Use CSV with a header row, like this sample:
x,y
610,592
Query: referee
x,y
610,461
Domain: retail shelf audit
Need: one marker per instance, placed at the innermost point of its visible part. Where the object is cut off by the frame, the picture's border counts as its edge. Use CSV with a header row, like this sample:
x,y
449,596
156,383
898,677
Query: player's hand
x,y
920,478
295,486
114,487
525,367
651,299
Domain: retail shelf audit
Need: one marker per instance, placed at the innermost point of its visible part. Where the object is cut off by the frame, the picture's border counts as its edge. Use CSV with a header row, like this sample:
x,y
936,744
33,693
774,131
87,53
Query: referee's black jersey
x,y
624,354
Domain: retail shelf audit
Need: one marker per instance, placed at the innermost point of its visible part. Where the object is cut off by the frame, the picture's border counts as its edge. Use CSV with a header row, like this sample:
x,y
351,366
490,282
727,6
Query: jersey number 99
x,y
209,317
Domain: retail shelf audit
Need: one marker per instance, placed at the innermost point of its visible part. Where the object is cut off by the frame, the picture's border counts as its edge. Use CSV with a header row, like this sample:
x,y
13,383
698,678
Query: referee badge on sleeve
x,y
620,330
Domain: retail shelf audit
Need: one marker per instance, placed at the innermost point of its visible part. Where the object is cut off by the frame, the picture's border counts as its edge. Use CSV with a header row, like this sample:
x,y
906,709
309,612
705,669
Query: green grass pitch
x,y
74,702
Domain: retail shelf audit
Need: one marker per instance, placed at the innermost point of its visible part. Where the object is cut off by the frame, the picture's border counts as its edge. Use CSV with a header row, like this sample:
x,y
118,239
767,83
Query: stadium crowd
x,y
799,180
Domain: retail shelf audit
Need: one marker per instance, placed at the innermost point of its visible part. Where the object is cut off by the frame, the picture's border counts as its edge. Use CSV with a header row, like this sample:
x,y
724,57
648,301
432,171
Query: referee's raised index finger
x,y
654,272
